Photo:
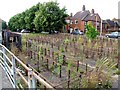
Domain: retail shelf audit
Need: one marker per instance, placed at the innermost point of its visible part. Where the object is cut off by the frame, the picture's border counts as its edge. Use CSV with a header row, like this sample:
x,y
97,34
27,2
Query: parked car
x,y
25,31
113,35
77,32
54,32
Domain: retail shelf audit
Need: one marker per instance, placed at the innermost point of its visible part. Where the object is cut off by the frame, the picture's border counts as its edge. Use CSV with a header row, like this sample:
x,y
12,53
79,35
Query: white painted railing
x,y
9,60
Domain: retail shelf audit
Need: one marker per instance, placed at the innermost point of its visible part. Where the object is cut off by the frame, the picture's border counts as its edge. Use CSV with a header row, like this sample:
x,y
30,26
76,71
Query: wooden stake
x,y
31,54
77,65
47,64
68,78
86,67
45,52
64,61
60,71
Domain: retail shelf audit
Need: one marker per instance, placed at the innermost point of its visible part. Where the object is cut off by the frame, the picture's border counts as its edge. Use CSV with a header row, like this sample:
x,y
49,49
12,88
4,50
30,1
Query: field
x,y
69,61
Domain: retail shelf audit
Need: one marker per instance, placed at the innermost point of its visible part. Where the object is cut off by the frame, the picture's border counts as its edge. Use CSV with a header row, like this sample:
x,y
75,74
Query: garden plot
x,y
70,61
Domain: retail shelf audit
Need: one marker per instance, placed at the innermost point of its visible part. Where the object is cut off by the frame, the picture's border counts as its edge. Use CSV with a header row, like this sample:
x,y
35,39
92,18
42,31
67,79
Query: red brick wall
x,y
79,25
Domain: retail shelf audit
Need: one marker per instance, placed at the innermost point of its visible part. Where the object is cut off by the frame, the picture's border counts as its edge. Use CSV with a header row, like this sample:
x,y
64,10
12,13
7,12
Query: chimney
x,y
71,14
92,11
83,8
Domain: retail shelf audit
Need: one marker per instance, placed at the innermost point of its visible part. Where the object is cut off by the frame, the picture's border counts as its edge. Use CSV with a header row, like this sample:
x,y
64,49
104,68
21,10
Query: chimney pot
x,y
71,14
92,11
83,8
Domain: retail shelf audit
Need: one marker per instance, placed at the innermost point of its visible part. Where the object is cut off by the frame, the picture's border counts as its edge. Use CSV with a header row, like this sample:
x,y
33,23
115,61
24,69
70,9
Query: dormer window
x,y
76,21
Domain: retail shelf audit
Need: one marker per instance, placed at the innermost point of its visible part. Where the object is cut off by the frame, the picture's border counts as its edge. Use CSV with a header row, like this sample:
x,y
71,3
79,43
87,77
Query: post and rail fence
x,y
9,63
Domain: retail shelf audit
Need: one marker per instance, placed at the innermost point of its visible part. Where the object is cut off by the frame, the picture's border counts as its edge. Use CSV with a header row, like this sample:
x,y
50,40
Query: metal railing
x,y
12,71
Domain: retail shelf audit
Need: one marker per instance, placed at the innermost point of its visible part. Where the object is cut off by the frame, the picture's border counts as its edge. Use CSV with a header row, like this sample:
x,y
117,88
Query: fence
x,y
10,63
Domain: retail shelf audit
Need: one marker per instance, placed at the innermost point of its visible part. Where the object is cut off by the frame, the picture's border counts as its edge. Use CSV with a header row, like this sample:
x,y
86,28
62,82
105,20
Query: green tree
x,y
4,25
91,32
30,15
22,21
14,22
50,17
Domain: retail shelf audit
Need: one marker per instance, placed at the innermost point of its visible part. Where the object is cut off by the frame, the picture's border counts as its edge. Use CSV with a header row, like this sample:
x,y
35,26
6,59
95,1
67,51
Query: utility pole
x,y
101,28
96,21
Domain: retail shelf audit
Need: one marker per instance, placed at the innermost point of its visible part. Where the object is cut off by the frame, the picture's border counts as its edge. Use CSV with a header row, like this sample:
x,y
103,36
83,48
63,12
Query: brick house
x,y
111,25
116,24
81,18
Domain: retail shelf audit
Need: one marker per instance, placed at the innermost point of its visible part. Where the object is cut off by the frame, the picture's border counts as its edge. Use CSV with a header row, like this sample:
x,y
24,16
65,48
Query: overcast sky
x,y
107,9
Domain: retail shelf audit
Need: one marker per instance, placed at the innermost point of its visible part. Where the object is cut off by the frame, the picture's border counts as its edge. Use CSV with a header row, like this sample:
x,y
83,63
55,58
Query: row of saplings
x,y
92,78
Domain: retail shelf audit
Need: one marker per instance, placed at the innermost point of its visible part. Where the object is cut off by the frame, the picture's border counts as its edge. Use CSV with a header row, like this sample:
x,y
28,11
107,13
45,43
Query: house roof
x,y
86,15
104,21
81,14
117,21
92,17
116,24
110,23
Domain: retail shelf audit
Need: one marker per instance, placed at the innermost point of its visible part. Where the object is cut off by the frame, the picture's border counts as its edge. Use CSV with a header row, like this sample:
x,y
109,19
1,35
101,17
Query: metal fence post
x,y
33,82
14,71
4,58
30,78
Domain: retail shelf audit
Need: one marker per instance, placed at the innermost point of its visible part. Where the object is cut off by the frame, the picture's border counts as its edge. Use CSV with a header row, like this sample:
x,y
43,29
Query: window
x,y
76,29
76,21
71,22
85,23
68,21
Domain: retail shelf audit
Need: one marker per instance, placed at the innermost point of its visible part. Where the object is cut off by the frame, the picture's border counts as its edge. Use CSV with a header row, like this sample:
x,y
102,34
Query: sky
x,y
107,9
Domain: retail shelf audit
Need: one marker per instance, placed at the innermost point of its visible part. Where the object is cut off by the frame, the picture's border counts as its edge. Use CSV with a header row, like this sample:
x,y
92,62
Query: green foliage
x,y
60,62
13,22
24,20
41,17
30,16
41,50
105,63
57,70
60,59
62,49
50,17
91,32
66,40
84,82
117,72
69,65
4,25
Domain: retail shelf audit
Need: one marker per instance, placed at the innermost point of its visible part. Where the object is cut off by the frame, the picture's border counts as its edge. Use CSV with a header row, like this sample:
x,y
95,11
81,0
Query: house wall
x,y
79,25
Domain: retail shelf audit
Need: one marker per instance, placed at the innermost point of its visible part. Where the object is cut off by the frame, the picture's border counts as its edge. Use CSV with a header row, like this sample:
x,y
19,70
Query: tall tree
x,y
22,21
30,15
4,25
50,17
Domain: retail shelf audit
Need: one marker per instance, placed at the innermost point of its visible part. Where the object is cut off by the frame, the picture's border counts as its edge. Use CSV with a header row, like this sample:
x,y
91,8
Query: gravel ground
x,y
4,81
